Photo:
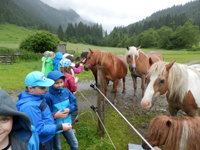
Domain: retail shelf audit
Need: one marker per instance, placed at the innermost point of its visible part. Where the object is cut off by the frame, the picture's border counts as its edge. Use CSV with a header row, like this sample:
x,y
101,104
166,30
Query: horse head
x,y
158,131
157,84
90,61
84,56
131,56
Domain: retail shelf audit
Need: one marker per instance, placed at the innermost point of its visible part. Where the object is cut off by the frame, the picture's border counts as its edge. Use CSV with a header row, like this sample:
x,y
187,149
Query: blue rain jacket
x,y
39,113
56,60
60,99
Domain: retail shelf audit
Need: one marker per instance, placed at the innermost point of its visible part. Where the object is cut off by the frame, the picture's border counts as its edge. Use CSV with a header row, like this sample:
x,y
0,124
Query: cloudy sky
x,y
112,13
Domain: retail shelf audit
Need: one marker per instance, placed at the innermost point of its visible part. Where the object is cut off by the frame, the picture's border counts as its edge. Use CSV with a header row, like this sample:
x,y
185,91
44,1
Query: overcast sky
x,y
112,13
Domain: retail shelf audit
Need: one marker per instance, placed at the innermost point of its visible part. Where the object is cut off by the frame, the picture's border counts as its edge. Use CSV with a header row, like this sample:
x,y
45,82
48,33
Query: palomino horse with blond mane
x,y
174,133
139,63
115,67
181,84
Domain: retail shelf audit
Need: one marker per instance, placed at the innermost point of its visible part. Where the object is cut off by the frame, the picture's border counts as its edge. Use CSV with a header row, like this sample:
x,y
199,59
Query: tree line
x,y
169,32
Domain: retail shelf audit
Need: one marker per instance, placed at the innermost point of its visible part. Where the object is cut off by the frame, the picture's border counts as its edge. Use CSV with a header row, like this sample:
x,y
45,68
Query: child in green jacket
x,y
49,63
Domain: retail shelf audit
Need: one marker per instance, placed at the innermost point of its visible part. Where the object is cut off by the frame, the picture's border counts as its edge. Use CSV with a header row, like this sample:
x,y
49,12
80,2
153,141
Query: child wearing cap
x,y
65,68
60,98
16,132
48,65
56,60
31,101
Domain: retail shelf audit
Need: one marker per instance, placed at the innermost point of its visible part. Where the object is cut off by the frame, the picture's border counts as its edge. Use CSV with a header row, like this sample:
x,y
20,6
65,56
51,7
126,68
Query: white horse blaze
x,y
149,91
193,84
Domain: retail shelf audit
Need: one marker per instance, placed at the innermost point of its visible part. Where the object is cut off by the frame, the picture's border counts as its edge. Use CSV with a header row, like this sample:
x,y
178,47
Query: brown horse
x,y
173,133
115,68
139,63
92,68
178,81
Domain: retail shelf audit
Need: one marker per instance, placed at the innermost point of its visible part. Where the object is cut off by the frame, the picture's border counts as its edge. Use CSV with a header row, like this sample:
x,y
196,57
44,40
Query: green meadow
x,y
12,78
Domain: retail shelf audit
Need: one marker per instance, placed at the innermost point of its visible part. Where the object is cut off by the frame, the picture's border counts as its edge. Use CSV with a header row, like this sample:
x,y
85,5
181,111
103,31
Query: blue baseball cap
x,y
37,78
66,63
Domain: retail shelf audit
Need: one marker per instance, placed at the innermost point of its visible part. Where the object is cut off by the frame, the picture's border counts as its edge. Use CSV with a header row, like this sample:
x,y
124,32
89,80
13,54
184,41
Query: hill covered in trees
x,y
175,27
36,14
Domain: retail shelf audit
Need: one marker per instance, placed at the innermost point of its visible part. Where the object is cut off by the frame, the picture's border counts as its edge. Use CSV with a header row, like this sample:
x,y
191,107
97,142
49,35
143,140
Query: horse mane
x,y
176,134
133,51
103,57
177,80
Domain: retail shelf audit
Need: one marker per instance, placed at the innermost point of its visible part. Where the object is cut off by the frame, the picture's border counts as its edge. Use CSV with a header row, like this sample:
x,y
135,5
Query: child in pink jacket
x,y
77,68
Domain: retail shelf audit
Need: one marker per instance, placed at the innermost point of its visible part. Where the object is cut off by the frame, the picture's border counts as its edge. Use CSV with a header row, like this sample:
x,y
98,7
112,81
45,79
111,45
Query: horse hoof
x,y
135,97
115,103
123,91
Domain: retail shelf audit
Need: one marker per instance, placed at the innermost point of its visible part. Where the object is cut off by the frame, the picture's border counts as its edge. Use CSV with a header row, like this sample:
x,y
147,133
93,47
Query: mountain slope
x,y
191,9
50,15
13,13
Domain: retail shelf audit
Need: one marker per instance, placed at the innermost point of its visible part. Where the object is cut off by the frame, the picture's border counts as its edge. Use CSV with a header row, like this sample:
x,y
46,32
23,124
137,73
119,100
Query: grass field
x,y
12,77
11,35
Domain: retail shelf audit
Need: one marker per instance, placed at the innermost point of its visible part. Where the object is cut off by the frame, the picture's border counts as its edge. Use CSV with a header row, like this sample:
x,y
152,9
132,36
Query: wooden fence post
x,y
100,100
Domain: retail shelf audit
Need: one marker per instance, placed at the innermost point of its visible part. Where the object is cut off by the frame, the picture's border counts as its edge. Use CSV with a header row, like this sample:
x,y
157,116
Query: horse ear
x,y
138,48
151,61
168,66
168,123
166,114
90,50
127,47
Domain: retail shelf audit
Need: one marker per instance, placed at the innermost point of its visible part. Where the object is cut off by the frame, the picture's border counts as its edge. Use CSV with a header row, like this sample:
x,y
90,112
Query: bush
x,y
40,41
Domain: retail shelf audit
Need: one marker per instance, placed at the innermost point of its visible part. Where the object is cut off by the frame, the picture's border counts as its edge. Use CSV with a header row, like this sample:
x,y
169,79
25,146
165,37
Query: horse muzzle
x,y
132,69
86,68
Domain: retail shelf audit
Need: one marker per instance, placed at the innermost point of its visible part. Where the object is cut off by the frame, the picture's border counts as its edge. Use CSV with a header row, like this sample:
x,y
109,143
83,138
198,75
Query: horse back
x,y
115,67
155,56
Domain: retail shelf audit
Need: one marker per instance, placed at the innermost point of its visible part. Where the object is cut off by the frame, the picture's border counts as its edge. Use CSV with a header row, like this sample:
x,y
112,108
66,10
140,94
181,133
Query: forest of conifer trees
x,y
176,27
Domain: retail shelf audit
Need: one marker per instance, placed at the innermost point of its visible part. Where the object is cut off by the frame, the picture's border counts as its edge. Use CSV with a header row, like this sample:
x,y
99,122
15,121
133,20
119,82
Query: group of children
x,y
38,118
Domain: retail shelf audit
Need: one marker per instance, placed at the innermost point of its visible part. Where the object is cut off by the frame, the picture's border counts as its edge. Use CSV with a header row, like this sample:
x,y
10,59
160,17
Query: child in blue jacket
x,y
60,99
56,60
15,127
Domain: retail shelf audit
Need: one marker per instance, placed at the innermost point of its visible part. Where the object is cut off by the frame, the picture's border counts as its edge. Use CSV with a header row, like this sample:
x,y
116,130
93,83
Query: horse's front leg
x,y
143,84
124,88
115,91
134,78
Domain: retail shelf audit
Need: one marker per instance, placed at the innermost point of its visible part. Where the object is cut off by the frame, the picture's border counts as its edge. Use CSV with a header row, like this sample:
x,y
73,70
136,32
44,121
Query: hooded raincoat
x,y
60,98
23,136
56,60
49,65
39,113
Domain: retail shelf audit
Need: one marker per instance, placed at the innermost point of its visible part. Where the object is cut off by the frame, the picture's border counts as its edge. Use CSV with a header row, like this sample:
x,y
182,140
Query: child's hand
x,y
67,110
84,60
76,79
60,114
66,126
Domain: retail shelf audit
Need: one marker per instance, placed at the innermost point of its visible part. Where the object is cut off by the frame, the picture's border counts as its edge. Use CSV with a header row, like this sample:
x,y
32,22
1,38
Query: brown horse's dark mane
x,y
103,57
174,133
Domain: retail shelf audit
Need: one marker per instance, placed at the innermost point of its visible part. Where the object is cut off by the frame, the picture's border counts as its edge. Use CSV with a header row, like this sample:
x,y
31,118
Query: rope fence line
x,y
94,109
95,88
